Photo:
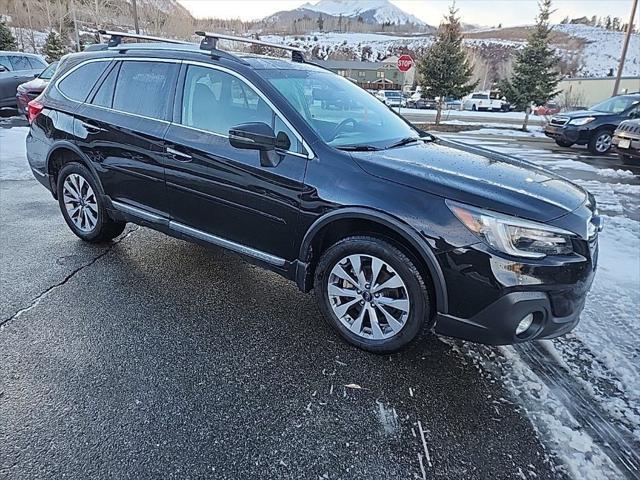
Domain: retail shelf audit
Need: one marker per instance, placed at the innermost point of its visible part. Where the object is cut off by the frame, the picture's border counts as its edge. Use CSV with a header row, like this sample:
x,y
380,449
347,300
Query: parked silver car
x,y
17,68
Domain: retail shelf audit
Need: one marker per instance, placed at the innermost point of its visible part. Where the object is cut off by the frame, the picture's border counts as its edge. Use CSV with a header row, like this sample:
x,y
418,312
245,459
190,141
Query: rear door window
x,y
36,63
145,88
104,95
80,81
19,62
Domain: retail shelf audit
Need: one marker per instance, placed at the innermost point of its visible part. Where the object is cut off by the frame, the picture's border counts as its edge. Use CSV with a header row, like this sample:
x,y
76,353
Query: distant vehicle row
x,y
595,126
17,68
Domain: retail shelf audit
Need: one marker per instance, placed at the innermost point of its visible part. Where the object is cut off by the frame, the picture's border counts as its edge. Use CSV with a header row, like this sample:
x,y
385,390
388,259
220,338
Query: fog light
x,y
524,324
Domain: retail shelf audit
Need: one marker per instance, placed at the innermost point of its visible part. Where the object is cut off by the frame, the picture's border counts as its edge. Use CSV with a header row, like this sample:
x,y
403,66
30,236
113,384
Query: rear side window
x,y
145,88
19,62
79,82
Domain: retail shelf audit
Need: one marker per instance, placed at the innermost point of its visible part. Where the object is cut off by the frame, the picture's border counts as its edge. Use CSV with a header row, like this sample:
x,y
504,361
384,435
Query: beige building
x,y
589,91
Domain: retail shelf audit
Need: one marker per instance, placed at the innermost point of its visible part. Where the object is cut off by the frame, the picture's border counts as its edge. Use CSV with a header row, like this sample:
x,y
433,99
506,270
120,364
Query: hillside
x,y
583,50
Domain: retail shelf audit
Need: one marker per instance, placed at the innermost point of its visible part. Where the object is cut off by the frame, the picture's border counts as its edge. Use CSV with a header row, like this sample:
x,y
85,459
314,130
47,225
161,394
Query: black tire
x,y
474,108
563,143
595,139
419,315
105,228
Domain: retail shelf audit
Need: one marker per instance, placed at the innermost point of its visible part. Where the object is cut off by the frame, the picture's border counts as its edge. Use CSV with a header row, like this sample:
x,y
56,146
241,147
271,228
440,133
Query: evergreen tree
x,y
535,76
445,70
53,48
320,22
7,40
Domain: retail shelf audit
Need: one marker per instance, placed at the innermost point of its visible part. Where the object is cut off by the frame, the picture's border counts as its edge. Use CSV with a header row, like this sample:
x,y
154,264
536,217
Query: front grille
x,y
558,121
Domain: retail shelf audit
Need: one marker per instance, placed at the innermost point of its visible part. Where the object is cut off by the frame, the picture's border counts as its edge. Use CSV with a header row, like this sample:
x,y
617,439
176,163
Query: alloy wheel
x,y
368,296
603,142
80,202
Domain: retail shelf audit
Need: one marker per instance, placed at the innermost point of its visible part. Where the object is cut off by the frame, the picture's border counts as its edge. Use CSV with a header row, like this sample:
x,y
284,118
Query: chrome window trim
x,y
309,155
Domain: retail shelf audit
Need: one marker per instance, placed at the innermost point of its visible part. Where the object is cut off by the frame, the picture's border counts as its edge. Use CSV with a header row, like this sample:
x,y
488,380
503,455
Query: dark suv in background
x,y
594,127
395,230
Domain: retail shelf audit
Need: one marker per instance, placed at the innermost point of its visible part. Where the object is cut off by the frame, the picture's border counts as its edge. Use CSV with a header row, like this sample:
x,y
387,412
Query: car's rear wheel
x,y
600,141
474,108
82,205
372,293
563,143
626,159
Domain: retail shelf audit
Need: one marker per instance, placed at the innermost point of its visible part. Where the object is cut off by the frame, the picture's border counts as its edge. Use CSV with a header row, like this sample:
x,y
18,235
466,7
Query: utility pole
x,y
75,25
135,16
625,47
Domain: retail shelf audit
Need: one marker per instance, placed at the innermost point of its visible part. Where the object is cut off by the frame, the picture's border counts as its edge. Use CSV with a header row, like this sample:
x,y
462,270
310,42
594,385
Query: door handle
x,y
92,128
182,157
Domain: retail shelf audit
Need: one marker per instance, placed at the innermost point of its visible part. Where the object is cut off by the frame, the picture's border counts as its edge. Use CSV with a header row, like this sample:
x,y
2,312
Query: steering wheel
x,y
341,125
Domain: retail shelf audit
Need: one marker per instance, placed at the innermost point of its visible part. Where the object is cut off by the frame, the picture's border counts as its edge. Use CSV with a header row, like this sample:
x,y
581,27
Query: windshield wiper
x,y
358,148
405,141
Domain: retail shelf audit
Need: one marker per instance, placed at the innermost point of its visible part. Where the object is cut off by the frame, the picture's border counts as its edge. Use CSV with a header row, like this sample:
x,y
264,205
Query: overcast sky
x,y
481,12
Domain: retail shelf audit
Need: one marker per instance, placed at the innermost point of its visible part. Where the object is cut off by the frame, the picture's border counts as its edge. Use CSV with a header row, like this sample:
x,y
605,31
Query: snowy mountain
x,y
371,11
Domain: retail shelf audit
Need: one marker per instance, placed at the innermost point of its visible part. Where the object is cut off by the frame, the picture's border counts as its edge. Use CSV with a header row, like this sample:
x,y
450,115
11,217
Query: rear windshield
x,y
48,72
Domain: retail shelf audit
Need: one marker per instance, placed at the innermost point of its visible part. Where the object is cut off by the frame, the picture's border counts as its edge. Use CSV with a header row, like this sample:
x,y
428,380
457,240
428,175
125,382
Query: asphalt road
x,y
154,358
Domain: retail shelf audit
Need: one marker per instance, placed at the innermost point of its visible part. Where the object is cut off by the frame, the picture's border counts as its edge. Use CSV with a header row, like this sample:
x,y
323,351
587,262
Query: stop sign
x,y
405,62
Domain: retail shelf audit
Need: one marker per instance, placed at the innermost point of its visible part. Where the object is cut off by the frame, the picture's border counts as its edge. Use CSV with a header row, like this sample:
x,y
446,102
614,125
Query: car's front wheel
x,y
600,142
372,293
83,207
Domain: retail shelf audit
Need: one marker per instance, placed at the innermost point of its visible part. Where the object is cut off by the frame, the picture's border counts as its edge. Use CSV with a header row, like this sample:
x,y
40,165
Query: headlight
x,y
581,121
511,235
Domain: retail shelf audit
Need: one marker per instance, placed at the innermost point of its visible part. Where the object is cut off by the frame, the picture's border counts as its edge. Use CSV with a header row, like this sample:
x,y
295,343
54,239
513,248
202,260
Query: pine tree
x,y
7,40
535,76
445,70
53,48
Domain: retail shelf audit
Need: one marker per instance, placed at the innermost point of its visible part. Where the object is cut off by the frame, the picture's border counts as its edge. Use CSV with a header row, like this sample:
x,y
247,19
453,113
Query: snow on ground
x,y
582,390
13,163
602,50
503,129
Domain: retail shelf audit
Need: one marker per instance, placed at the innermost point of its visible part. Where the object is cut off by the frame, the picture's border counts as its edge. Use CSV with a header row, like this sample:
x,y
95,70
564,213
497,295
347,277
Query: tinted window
x,y
215,101
79,82
19,62
480,96
36,63
104,95
144,88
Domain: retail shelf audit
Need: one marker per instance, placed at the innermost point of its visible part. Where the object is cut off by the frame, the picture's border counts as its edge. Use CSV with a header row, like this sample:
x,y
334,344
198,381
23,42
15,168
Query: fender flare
x,y
401,228
66,145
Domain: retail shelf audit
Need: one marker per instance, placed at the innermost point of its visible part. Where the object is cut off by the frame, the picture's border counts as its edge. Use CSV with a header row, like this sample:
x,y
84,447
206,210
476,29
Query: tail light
x,y
34,107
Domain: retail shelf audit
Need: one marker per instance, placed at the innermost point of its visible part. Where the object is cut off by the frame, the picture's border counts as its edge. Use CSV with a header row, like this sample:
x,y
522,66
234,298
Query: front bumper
x,y
632,149
568,133
489,295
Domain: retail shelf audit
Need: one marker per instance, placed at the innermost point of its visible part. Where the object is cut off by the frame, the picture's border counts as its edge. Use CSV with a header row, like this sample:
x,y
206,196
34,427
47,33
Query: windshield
x,y
392,94
615,104
341,113
48,72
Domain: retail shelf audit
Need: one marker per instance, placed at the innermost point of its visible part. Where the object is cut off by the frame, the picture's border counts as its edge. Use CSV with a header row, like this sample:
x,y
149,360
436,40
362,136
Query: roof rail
x,y
210,42
116,38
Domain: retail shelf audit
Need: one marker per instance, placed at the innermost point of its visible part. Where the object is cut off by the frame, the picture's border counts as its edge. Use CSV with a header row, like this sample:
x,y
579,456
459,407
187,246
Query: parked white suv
x,y
485,101
392,98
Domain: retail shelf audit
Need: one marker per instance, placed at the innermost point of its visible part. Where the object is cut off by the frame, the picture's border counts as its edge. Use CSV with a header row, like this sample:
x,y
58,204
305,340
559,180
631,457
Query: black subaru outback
x,y
396,231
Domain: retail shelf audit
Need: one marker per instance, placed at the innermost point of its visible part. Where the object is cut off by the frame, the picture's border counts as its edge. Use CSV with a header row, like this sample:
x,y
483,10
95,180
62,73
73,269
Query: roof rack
x,y
117,37
210,42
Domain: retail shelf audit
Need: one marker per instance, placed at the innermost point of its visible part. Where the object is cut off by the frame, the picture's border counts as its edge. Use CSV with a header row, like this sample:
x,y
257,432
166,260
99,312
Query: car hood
x,y
477,177
585,113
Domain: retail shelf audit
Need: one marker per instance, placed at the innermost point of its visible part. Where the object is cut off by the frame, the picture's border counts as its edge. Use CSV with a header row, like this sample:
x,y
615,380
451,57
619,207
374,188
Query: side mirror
x,y
260,136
